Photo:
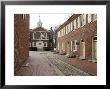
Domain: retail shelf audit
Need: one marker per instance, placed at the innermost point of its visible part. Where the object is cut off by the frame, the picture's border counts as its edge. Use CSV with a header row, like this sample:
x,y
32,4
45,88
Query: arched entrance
x,y
40,45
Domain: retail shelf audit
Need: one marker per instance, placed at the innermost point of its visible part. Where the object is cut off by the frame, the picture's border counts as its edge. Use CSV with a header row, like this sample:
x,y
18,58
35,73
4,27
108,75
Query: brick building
x,y
78,35
21,40
41,38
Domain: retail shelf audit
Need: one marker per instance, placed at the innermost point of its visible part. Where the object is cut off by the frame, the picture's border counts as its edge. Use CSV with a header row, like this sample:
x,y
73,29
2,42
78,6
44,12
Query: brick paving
x,y
49,64
84,65
38,66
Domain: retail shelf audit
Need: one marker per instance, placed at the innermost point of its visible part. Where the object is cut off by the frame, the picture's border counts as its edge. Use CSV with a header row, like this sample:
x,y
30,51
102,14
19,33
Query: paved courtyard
x,y
46,63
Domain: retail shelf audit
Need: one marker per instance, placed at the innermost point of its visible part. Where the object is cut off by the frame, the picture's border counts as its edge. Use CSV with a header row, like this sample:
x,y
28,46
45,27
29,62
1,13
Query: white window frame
x,y
94,17
89,18
33,44
84,18
75,24
45,43
79,21
71,26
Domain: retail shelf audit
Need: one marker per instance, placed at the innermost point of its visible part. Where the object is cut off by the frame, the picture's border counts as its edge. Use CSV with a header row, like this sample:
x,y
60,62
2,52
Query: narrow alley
x,y
46,63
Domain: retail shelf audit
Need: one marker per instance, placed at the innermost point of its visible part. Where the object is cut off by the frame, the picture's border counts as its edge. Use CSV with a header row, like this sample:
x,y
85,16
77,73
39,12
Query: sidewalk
x,y
84,65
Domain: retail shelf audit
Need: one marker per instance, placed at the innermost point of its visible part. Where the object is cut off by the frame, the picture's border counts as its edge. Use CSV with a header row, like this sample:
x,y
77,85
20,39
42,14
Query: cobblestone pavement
x,y
47,63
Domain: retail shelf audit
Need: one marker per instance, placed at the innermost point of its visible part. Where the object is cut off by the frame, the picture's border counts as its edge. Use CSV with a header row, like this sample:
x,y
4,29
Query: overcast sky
x,y
48,19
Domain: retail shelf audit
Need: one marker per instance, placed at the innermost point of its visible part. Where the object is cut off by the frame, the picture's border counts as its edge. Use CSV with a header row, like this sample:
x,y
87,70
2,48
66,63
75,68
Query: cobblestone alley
x,y
46,63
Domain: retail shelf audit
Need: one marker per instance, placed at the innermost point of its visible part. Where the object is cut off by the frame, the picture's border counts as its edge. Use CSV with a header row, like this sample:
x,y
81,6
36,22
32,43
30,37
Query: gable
x,y
39,29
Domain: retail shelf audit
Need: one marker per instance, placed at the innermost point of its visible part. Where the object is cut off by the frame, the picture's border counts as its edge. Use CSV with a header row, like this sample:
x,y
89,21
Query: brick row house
x,y
78,35
21,40
41,39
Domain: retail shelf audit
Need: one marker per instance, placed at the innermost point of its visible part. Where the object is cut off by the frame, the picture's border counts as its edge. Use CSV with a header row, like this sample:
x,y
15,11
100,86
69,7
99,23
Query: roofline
x,y
74,16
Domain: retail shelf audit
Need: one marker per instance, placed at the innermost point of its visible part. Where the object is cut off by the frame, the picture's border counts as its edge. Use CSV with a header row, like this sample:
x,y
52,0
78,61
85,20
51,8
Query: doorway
x,y
82,49
94,48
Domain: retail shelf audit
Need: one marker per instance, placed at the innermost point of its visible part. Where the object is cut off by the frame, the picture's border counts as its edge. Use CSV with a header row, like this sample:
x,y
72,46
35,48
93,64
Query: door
x,y
82,50
94,48
40,45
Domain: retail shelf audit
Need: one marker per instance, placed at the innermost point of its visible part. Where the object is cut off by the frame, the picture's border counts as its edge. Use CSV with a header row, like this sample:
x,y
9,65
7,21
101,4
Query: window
x,y
89,18
63,46
43,35
84,19
71,26
45,44
74,45
38,35
34,44
79,20
94,17
74,24
66,29
58,33
95,38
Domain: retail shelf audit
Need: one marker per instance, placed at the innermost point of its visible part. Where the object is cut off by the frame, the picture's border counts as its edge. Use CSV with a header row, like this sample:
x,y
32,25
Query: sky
x,y
48,19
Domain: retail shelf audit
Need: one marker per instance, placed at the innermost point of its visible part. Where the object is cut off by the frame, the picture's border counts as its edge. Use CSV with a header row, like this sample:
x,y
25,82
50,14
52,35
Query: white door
x,y
82,50
40,45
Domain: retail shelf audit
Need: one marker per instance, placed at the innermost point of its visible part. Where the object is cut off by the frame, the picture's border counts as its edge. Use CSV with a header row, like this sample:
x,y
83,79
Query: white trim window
x,y
84,19
89,18
58,33
71,26
74,45
45,44
34,44
79,21
94,17
66,29
74,24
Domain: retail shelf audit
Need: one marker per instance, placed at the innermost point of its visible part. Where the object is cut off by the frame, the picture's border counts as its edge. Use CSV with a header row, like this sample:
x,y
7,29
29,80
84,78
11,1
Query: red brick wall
x,y
86,33
21,40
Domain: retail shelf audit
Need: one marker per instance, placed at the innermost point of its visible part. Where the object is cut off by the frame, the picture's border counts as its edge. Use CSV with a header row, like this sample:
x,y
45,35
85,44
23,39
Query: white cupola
x,y
39,23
